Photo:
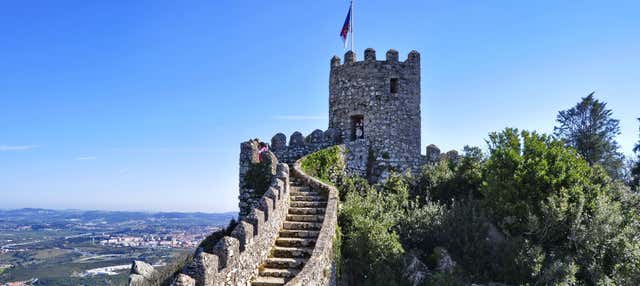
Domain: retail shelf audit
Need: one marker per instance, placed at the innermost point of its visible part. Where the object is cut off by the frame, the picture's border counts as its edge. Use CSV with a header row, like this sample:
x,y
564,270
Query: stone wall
x,y
391,118
299,145
236,258
249,197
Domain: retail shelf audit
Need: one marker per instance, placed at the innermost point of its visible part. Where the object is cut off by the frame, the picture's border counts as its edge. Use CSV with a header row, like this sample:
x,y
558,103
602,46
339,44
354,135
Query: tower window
x,y
393,85
357,127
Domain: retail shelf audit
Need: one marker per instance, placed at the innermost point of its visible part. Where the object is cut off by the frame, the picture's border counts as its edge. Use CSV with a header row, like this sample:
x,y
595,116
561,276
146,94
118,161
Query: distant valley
x,y
72,247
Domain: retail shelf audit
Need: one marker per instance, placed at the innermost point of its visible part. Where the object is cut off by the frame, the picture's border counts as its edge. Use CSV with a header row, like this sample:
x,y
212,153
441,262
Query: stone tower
x,y
377,103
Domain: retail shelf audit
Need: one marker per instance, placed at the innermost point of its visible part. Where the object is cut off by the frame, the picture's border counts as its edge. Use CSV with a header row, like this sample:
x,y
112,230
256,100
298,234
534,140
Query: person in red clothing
x,y
262,147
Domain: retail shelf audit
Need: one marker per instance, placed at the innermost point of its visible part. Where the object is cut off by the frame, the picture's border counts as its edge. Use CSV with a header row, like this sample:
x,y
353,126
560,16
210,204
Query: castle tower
x,y
378,103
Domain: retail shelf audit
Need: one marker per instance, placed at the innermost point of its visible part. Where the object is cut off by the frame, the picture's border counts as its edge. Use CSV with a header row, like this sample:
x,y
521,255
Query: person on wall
x,y
262,148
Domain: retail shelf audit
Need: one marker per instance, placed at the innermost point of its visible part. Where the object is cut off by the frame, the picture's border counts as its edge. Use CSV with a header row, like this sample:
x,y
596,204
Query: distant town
x,y
71,247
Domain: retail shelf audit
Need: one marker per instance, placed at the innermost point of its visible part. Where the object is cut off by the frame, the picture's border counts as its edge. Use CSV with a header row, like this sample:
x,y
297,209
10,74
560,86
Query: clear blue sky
x,y
142,105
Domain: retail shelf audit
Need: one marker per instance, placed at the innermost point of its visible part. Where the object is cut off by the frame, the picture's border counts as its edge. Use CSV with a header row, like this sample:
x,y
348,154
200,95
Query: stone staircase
x,y
296,238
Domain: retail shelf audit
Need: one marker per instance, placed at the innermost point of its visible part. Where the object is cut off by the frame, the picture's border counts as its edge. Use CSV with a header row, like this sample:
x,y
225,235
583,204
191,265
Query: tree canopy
x,y
590,129
635,170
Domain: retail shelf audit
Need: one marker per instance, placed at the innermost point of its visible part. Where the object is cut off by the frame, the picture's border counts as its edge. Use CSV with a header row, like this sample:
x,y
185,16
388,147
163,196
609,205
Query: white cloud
x,y
84,158
17,147
299,117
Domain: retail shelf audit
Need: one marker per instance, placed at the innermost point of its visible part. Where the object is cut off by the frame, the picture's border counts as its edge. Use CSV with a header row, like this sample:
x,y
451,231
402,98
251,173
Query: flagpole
x,y
352,49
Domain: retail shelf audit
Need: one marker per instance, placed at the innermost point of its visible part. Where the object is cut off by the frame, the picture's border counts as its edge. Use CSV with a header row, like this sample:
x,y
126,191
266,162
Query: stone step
x,y
293,210
310,218
308,204
305,193
307,198
267,281
282,273
295,242
300,188
292,252
299,233
284,263
299,225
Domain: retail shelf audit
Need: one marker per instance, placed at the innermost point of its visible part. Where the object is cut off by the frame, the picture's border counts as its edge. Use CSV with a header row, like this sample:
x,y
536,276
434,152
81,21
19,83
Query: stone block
x,y
369,54
279,142
225,250
257,218
184,280
266,205
243,233
296,140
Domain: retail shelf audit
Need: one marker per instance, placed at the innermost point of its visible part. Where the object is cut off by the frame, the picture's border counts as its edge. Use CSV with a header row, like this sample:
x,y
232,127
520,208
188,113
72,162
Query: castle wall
x,y
249,198
299,145
236,258
391,119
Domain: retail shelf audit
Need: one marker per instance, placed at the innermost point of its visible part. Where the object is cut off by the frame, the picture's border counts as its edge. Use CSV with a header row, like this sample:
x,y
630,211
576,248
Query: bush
x,y
326,164
371,249
448,180
541,191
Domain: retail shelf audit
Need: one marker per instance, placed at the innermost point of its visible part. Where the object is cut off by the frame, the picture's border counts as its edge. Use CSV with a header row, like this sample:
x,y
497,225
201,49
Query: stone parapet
x,y
236,258
300,145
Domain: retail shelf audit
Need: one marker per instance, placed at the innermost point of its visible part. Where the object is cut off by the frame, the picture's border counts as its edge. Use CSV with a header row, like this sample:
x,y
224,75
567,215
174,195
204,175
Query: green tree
x,y
635,170
539,190
371,249
447,181
589,128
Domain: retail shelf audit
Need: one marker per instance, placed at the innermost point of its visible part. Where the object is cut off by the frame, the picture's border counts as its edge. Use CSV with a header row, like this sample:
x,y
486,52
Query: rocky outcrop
x,y
184,280
142,274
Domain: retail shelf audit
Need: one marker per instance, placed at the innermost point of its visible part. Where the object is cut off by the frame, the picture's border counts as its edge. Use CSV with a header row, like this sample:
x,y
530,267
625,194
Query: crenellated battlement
x,y
300,145
376,104
235,258
374,114
392,57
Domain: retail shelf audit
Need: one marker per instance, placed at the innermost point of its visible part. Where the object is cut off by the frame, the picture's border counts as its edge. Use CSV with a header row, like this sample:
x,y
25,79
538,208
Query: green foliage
x,y
326,164
353,184
539,183
538,190
446,180
533,212
371,248
635,169
589,128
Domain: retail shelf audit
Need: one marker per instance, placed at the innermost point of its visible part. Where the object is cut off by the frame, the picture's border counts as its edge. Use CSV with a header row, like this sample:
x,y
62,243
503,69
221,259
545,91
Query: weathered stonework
x,y
300,146
249,198
374,113
236,258
378,101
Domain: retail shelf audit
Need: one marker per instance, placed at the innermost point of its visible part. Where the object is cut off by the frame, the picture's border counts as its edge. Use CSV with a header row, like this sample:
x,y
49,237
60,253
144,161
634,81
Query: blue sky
x,y
142,105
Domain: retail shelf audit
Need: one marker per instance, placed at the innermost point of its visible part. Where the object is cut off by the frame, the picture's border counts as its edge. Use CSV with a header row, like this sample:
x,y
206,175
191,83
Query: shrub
x,y
326,164
448,180
371,249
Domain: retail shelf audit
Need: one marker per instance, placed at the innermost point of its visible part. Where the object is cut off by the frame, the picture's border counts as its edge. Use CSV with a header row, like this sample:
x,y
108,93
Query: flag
x,y
345,28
